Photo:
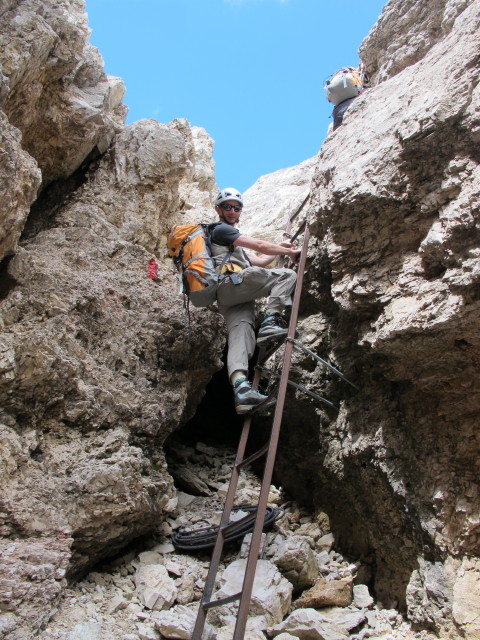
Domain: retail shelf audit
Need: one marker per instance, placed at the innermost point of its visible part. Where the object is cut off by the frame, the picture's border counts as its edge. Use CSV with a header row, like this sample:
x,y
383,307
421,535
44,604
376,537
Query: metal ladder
x,y
269,450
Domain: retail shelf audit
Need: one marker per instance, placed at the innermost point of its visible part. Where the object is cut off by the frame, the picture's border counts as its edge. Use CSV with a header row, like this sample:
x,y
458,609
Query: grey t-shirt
x,y
223,236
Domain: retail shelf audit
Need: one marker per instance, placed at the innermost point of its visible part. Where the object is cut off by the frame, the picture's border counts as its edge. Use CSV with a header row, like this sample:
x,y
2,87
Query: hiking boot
x,y
246,399
271,329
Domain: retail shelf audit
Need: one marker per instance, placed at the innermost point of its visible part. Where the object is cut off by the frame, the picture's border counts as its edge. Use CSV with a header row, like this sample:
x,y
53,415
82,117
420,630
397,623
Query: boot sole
x,y
243,409
272,338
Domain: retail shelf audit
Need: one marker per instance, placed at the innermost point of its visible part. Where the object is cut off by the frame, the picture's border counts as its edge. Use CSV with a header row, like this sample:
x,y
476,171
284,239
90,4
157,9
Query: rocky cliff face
x,y
392,298
97,367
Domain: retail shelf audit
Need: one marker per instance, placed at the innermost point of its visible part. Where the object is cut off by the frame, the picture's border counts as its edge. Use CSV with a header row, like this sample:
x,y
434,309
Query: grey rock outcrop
x,y
21,178
95,355
54,87
57,105
97,365
394,268
405,32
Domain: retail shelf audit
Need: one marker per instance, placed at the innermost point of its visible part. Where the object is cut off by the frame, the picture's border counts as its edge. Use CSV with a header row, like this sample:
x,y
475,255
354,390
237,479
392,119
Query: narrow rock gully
x,y
304,586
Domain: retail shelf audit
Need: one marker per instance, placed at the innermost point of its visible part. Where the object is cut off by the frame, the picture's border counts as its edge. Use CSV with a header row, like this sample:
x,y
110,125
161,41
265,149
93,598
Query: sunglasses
x,y
227,207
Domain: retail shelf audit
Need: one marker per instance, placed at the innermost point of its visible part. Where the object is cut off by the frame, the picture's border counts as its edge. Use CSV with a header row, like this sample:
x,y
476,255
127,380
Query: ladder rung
x,y
258,454
220,601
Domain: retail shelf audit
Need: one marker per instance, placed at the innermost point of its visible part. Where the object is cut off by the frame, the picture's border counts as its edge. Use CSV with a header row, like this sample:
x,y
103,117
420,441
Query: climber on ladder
x,y
243,280
270,331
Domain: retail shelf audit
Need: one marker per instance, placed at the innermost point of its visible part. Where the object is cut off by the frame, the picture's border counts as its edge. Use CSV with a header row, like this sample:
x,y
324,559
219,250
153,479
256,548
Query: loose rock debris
x,y
302,585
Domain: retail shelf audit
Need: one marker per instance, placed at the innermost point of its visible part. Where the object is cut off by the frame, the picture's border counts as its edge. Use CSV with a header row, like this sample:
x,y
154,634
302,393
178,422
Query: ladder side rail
x,y
288,227
206,601
244,604
219,542
225,519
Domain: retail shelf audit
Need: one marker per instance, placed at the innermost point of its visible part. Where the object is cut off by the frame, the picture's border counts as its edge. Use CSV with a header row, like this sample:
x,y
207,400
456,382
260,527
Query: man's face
x,y
229,211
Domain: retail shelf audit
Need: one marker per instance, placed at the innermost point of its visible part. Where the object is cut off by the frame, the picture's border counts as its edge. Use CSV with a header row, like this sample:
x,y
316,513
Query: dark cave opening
x,y
7,281
55,195
216,422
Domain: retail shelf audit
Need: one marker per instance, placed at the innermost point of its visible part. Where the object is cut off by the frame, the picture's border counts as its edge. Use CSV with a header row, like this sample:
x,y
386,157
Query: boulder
x,y
178,623
271,595
309,624
297,561
361,597
326,593
155,589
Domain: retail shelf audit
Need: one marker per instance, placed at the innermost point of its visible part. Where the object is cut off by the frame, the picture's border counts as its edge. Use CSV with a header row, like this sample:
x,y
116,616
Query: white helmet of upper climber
x,y
230,193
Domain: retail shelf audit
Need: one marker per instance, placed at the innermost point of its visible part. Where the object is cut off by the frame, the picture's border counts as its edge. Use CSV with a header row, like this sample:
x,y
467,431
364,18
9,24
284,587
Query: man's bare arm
x,y
268,248
260,260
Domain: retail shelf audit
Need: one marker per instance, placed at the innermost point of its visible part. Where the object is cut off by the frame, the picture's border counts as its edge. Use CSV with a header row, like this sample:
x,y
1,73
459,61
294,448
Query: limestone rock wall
x,y
56,102
405,32
391,298
273,198
97,364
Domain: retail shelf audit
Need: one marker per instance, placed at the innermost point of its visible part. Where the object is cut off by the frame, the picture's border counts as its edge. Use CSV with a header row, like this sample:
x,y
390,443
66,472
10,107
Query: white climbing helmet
x,y
230,193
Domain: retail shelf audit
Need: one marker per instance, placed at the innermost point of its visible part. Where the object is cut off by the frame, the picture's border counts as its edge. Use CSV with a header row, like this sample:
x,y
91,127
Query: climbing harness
x,y
260,513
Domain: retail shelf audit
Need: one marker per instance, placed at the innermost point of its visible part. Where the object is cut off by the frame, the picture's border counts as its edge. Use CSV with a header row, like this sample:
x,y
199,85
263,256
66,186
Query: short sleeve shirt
x,y
223,236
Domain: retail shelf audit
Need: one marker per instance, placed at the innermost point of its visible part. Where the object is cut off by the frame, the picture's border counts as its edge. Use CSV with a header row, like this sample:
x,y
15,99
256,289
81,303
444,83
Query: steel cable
x,y
204,538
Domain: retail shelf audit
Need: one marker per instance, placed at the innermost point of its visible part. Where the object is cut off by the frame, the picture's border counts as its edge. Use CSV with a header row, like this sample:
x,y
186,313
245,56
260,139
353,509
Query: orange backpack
x,y
189,245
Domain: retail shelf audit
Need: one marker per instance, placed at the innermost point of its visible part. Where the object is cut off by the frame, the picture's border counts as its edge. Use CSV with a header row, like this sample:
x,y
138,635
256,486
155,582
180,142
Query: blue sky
x,y
251,72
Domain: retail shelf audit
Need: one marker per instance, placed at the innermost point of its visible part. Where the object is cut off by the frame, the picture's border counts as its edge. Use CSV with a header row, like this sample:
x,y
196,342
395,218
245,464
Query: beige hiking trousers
x,y
236,303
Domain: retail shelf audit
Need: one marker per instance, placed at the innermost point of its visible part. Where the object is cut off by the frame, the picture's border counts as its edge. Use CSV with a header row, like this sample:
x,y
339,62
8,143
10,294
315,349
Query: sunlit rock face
x,y
57,104
54,87
97,363
391,297
274,198
405,32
